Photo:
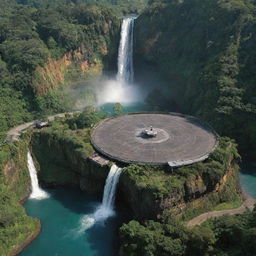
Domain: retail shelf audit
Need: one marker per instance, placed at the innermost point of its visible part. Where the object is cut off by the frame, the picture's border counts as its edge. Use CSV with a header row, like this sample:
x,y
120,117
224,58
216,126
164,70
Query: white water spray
x,y
125,53
121,89
106,209
37,192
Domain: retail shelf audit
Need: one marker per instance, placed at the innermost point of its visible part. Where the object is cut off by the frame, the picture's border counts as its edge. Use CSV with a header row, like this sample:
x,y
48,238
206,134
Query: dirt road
x,y
248,204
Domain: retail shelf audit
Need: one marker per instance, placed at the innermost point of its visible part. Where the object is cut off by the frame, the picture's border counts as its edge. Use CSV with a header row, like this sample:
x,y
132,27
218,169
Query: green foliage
x,y
118,108
208,56
151,240
15,225
13,109
120,7
54,101
227,235
30,35
89,117
162,182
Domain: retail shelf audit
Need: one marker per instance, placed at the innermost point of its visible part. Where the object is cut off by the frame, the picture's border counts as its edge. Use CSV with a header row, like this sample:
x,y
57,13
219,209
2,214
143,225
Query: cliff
x,y
88,60
69,164
16,228
184,192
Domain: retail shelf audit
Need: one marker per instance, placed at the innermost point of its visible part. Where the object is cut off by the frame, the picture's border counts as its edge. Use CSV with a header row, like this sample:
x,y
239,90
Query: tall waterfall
x,y
106,209
122,88
125,52
37,192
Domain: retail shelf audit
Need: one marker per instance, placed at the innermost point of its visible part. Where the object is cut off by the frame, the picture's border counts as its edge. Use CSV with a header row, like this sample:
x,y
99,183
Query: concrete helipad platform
x,y
180,139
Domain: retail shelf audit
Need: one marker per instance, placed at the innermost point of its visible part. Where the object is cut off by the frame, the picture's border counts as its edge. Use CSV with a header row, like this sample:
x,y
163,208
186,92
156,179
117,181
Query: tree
x,y
118,108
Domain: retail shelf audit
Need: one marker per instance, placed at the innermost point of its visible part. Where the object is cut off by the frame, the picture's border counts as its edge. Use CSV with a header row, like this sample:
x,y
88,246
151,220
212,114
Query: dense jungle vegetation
x,y
206,50
15,225
30,35
223,236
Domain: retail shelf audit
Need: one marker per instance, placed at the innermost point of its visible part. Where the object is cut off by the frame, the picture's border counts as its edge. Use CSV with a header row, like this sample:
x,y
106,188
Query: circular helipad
x,y
179,139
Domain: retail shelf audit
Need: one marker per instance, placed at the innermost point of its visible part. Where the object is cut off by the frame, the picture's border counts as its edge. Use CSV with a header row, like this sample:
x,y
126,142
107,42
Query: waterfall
x,y
122,89
125,52
37,192
106,209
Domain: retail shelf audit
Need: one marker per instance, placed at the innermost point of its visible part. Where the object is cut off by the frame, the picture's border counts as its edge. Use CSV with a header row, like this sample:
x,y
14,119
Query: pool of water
x,y
248,178
127,108
63,233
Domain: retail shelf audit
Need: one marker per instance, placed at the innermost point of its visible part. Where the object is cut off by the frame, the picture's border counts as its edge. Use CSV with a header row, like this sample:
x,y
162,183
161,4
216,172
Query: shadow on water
x,y
74,199
248,177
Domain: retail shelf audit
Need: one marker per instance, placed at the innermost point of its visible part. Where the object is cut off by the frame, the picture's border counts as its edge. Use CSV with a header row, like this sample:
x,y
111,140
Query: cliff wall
x,y
62,161
16,228
183,192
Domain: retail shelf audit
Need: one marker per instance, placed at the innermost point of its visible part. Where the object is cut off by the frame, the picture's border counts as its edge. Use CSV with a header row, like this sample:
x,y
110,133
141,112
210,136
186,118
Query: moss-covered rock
x,y
62,159
186,191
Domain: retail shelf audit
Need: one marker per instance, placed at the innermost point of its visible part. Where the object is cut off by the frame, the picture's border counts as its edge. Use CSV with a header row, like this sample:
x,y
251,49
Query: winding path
x,y
248,204
14,133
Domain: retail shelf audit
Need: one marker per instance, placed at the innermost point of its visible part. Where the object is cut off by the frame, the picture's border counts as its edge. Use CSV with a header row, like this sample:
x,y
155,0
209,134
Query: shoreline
x,y
25,243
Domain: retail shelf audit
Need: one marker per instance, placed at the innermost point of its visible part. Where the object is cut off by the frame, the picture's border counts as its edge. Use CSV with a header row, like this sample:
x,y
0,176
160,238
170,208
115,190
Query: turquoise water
x,y
127,108
248,178
61,235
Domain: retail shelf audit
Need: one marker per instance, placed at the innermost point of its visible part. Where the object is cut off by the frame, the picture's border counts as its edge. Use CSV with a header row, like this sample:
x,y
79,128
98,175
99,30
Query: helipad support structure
x,y
180,139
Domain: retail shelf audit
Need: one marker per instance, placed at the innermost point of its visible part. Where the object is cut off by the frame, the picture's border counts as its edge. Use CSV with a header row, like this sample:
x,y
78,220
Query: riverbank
x,y
21,246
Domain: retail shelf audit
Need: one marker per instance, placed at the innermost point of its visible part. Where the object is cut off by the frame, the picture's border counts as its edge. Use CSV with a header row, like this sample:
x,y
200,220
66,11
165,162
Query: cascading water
x,y
37,192
106,209
121,89
125,53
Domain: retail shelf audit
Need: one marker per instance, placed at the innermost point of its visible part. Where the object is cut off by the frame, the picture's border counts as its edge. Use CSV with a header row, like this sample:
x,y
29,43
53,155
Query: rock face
x,y
89,59
192,193
15,172
142,201
186,191
59,163
52,74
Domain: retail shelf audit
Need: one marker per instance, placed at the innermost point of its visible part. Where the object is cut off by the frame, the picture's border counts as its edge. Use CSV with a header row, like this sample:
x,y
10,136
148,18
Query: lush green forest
x,y
118,6
31,37
224,236
206,50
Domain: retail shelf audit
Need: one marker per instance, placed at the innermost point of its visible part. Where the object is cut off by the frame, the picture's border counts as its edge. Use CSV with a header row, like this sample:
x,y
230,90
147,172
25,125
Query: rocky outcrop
x,y
60,163
192,193
52,74
15,172
186,191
